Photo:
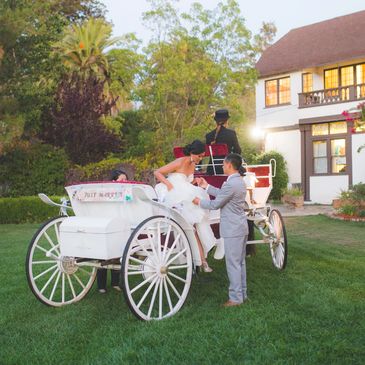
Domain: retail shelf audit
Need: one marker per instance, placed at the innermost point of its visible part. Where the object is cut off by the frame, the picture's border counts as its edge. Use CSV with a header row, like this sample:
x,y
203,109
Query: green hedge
x,y
30,168
26,209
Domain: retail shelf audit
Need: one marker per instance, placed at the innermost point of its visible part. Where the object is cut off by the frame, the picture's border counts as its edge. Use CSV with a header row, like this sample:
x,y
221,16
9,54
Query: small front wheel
x,y
278,240
55,280
157,269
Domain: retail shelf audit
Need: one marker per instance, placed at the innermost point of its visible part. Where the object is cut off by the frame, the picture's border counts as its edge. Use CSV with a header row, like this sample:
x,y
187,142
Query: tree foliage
x,y
196,62
75,119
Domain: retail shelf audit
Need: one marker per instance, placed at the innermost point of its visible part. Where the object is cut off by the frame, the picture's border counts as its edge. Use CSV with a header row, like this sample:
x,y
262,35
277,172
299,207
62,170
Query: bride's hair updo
x,y
196,148
236,160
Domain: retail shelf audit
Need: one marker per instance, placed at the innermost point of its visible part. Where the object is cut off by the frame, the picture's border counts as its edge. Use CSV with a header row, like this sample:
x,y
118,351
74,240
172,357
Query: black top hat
x,y
221,115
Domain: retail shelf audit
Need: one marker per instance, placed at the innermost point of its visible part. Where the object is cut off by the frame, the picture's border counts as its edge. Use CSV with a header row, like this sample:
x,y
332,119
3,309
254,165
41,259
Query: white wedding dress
x,y
181,198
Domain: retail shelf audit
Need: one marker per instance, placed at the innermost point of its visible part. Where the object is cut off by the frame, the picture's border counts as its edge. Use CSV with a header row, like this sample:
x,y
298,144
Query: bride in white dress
x,y
177,190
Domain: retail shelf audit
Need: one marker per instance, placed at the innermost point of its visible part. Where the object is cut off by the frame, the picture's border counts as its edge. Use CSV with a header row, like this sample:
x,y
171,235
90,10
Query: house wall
x,y
288,144
323,189
358,158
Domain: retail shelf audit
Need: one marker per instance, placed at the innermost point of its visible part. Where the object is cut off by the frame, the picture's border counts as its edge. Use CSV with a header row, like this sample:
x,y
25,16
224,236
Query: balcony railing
x,y
332,96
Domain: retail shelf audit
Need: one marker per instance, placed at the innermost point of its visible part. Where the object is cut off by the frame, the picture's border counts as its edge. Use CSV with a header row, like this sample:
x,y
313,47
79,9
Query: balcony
x,y
341,94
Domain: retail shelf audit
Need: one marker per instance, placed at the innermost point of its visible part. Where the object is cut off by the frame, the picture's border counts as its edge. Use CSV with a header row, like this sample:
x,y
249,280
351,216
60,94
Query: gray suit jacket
x,y
230,199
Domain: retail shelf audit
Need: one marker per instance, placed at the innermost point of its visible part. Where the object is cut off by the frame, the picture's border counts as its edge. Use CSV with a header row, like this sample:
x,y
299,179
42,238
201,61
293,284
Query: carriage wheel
x,y
55,280
279,242
157,269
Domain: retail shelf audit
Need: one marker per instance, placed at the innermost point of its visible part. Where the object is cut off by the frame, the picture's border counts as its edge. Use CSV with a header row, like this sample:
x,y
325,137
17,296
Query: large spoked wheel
x,y
278,241
157,269
55,280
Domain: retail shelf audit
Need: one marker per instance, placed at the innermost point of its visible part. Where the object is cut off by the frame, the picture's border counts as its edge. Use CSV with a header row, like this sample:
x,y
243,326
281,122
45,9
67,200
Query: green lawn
x,y
312,313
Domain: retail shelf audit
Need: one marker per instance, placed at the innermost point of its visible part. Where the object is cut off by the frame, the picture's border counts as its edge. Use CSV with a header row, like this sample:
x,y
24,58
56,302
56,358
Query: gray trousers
x,y
235,252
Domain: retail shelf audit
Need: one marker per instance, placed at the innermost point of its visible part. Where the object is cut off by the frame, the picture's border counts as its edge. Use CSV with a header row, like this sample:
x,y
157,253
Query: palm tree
x,y
82,47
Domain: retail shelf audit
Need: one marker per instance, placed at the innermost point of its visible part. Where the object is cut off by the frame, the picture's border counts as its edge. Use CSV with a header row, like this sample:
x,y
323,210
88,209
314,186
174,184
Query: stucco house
x,y
306,80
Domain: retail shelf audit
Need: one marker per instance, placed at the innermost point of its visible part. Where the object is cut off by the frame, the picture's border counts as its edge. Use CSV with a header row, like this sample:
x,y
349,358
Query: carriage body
x,y
123,226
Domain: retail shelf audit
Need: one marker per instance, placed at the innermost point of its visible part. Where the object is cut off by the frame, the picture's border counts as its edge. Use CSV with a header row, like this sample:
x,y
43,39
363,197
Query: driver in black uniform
x,y
221,134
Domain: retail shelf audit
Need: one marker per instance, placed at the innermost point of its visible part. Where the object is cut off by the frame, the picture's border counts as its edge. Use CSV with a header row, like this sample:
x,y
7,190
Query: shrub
x,y
26,209
28,169
280,181
137,168
348,209
293,192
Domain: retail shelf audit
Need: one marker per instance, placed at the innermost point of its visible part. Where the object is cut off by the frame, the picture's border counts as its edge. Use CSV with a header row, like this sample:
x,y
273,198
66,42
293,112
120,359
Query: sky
x,y
126,15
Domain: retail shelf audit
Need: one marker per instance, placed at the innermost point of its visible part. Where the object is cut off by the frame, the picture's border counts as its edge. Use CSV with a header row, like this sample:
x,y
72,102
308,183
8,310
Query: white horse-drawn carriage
x,y
122,225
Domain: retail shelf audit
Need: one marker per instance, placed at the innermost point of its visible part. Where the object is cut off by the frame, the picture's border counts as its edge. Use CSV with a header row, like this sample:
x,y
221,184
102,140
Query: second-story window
x,y
307,82
277,92
331,78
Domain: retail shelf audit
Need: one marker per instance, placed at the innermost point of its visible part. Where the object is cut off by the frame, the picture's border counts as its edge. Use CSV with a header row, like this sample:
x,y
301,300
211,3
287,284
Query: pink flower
x,y
349,119
345,113
353,130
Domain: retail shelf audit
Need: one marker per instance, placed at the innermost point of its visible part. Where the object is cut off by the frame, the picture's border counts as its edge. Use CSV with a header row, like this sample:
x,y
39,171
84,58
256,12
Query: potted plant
x,y
293,196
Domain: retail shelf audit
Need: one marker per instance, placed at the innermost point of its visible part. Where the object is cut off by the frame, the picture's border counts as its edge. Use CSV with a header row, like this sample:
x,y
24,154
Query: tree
x,y
28,72
75,120
195,63
82,47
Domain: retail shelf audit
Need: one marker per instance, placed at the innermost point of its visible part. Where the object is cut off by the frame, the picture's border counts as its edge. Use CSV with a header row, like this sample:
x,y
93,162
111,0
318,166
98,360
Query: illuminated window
x,y
331,78
307,82
320,157
320,129
347,76
338,155
284,90
360,74
277,91
271,92
338,127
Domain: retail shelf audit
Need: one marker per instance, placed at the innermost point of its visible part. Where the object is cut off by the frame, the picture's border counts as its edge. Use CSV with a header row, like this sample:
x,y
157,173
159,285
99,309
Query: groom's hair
x,y
236,160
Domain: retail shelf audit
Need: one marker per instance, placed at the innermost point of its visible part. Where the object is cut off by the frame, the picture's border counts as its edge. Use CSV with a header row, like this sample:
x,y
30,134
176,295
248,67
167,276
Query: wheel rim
x,y
54,279
157,269
278,242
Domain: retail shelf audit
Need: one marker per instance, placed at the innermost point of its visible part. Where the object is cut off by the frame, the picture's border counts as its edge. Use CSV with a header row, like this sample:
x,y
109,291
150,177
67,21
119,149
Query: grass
x,y
312,313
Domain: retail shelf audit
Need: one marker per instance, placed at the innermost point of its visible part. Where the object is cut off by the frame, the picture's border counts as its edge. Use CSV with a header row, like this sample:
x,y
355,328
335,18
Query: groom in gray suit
x,y
230,200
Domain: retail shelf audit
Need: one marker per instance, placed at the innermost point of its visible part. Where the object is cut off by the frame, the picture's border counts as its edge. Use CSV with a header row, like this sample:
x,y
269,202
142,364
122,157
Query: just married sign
x,y
104,195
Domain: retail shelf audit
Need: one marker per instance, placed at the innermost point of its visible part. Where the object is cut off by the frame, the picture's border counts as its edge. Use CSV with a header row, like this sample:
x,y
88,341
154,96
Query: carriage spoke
x,y
63,287
141,262
159,241
167,294
45,272
79,281
177,277
56,228
54,247
141,272
147,292
141,244
176,267
71,285
172,247
173,287
153,299
43,262
167,238
176,256
160,301
150,240
55,285
144,282
89,273
49,281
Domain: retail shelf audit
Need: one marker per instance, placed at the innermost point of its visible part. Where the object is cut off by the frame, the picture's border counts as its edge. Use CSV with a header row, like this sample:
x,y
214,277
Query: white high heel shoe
x,y
206,267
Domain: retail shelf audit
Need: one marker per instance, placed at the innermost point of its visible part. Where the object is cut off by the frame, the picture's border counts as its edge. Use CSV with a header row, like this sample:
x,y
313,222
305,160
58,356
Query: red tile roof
x,y
331,41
